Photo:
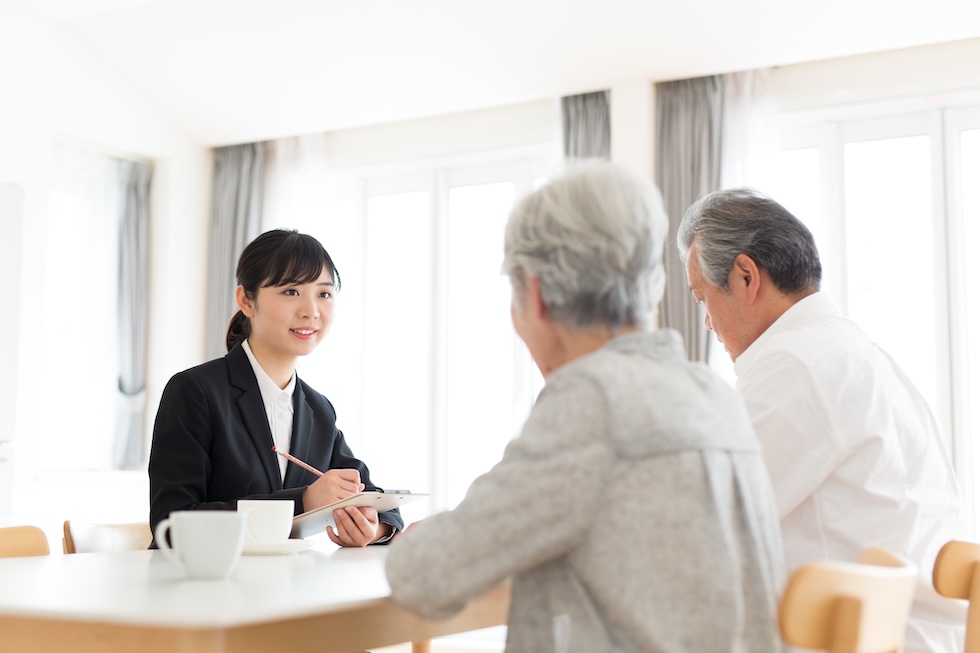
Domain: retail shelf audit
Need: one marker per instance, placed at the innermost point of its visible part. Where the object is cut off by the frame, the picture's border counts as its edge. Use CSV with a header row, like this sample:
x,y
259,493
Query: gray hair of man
x,y
594,238
727,223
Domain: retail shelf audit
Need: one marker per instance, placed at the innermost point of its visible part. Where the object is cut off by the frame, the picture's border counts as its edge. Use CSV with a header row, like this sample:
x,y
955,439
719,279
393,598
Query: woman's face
x,y
290,321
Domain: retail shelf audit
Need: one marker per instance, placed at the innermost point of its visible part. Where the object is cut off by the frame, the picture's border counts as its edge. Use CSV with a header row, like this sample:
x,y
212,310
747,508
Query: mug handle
x,y
160,535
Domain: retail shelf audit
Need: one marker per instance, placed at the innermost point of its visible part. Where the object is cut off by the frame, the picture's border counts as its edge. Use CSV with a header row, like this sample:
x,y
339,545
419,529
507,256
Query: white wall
x,y
633,125
427,139
922,71
50,89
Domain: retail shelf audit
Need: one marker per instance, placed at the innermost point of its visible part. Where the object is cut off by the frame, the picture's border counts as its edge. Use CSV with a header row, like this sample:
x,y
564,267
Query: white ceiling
x,y
232,71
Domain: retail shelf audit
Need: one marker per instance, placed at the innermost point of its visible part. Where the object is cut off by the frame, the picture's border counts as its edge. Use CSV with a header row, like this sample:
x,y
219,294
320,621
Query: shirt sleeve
x,y
789,412
532,507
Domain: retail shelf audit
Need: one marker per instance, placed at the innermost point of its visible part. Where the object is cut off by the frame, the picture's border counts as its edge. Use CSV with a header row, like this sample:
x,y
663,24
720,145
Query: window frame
x,y
942,118
522,165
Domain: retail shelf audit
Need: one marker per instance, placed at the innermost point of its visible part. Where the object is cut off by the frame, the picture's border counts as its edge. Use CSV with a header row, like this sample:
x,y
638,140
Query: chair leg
x,y
847,625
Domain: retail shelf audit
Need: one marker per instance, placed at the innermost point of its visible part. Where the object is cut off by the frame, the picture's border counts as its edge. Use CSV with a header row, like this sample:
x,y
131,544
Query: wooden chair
x,y
955,575
83,537
16,541
845,607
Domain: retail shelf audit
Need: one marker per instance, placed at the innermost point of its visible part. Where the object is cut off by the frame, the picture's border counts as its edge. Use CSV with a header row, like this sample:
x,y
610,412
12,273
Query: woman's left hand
x,y
353,526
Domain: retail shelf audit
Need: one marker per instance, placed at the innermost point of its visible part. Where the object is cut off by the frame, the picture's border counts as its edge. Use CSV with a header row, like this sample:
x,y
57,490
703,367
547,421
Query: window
x,y
895,225
962,144
80,332
428,377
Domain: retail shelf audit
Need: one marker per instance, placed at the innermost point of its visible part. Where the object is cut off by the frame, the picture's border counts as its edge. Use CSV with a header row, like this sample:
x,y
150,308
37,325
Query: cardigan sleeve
x,y
532,507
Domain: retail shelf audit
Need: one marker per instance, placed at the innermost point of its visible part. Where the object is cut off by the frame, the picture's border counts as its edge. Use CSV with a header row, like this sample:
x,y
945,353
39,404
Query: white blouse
x,y
278,404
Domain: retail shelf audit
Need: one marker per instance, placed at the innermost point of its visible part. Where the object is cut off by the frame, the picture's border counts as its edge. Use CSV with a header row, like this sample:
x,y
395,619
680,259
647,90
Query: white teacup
x,y
269,521
205,543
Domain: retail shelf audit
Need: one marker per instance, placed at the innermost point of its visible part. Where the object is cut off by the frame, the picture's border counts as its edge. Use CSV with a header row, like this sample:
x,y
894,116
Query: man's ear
x,y
246,305
746,277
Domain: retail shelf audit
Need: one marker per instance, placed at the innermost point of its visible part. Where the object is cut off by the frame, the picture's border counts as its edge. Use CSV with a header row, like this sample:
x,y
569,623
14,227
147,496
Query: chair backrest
x,y
18,541
846,607
83,537
957,576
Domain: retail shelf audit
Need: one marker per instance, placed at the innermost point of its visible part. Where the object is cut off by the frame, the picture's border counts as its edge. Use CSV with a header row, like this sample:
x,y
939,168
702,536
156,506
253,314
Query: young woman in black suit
x,y
218,422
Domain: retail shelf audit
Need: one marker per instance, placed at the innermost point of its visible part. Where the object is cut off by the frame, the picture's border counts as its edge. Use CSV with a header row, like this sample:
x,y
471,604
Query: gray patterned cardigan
x,y
633,513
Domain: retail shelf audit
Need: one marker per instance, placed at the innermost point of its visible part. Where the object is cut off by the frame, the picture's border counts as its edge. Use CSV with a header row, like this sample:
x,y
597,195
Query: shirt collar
x,y
269,389
811,307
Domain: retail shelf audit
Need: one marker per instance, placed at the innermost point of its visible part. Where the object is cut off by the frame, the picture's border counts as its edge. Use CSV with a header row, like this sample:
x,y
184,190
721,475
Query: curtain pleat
x,y
129,445
236,218
586,125
688,166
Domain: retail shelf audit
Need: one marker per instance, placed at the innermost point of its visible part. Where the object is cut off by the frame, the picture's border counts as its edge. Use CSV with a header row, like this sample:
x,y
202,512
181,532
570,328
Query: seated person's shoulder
x,y
200,376
814,353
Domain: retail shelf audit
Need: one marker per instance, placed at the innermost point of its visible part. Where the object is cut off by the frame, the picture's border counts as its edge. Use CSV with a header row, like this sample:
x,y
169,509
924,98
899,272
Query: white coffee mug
x,y
205,543
269,521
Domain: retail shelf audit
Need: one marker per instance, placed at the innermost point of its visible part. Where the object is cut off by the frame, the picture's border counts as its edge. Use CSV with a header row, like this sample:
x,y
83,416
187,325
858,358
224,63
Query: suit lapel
x,y
253,413
301,440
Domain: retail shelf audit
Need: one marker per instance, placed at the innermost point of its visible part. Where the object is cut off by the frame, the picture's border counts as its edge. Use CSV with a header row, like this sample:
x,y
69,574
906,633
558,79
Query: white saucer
x,y
276,548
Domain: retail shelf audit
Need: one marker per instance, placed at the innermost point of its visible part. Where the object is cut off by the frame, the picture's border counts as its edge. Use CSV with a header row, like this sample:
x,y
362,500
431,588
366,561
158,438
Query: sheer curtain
x,y
303,191
296,191
747,147
133,286
712,132
748,135
80,360
586,125
688,165
236,219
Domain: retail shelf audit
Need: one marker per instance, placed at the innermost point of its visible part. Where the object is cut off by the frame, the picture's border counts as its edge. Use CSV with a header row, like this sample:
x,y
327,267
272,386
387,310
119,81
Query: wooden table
x,y
139,601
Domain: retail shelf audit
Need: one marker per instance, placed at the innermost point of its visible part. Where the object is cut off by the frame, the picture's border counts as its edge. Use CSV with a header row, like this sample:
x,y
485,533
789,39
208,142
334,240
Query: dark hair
x,y
727,223
277,258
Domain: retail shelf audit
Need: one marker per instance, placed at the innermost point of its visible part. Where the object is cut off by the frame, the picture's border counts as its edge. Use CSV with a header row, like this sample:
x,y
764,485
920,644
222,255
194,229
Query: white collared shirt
x,y
278,403
855,455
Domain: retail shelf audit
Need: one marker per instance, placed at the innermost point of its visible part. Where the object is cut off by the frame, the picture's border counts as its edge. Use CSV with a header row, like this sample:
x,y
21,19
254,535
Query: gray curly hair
x,y
594,238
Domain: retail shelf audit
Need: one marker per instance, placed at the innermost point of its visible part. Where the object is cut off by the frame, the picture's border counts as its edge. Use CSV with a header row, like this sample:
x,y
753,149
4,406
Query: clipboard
x,y
316,521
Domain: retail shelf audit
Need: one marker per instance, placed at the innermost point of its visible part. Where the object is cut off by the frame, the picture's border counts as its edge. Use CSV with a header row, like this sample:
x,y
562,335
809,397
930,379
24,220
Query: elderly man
x,y
855,455
633,511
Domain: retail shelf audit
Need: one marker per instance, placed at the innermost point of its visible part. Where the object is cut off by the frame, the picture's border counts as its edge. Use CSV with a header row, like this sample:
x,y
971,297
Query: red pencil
x,y
294,459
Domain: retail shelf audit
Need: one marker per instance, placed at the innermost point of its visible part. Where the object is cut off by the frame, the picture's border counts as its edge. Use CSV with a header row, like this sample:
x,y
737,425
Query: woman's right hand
x,y
334,485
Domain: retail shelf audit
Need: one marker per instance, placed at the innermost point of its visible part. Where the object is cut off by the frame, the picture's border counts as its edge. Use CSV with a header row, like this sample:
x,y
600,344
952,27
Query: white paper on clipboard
x,y
316,521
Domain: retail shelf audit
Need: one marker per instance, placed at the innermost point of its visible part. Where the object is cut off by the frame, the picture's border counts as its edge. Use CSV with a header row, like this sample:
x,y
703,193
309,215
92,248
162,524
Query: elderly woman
x,y
633,512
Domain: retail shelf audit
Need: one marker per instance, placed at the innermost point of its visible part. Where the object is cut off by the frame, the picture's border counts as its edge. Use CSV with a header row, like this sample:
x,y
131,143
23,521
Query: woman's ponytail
x,y
238,330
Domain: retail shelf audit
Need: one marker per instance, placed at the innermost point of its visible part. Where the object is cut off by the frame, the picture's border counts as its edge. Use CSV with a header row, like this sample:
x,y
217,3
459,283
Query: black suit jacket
x,y
212,444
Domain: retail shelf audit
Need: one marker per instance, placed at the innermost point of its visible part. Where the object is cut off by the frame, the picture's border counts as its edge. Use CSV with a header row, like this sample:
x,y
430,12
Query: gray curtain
x,y
236,218
129,445
585,125
688,166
